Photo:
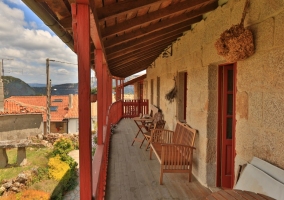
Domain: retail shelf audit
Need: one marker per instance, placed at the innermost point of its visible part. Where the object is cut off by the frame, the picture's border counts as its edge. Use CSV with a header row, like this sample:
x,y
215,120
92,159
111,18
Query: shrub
x,y
62,146
34,195
58,169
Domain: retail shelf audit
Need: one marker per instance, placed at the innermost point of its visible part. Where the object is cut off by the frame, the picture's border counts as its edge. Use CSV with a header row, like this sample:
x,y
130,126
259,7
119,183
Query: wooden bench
x,y
174,149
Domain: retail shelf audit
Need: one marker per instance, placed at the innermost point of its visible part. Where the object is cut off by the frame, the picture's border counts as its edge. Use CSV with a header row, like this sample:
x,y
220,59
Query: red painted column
x,y
81,15
105,89
99,75
122,90
111,90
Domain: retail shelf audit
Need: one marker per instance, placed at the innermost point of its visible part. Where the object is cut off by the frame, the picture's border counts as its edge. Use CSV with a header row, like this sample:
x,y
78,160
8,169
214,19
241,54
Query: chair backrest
x,y
184,134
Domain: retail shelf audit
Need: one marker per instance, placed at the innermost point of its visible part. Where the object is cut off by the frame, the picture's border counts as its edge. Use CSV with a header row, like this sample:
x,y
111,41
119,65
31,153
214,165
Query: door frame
x,y
219,125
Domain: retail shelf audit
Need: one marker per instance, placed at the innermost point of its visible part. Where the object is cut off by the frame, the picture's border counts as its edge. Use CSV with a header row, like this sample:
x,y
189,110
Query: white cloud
x,y
29,47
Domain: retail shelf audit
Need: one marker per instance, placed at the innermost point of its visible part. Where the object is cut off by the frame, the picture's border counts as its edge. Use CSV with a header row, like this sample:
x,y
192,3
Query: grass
x,y
35,157
39,186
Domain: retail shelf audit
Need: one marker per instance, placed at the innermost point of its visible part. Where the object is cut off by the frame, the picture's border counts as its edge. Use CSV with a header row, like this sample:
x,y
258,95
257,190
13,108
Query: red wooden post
x,y
110,89
105,89
81,15
100,109
122,89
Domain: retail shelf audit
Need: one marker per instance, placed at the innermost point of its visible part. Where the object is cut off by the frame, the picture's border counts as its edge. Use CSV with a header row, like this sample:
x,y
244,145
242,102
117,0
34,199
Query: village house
x,y
63,111
236,106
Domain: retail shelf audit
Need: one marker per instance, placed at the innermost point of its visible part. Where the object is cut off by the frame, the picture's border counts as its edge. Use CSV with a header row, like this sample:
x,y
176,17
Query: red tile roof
x,y
37,104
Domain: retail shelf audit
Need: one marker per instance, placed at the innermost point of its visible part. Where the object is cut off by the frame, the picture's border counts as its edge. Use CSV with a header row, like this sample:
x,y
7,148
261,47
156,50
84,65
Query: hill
x,y
16,87
62,89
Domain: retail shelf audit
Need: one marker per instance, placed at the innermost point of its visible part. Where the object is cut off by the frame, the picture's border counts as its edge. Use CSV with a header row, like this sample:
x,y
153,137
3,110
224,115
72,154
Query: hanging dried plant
x,y
171,95
236,43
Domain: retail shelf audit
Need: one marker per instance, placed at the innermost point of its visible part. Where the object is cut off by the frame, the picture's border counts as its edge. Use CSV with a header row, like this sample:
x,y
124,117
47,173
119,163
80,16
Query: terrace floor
x,y
132,175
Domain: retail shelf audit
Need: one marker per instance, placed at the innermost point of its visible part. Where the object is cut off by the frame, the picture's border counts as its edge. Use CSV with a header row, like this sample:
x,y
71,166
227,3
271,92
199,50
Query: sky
x,y
28,42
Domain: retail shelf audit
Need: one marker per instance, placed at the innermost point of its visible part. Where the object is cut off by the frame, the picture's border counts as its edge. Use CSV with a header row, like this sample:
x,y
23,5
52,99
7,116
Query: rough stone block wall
x,y
260,85
14,127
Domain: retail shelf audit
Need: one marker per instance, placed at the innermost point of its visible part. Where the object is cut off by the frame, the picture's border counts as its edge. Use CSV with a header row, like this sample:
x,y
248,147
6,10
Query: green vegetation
x,y
35,156
94,90
16,87
56,171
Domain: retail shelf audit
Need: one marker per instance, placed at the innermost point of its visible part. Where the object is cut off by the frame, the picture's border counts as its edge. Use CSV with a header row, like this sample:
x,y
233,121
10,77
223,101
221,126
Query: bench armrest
x,y
161,136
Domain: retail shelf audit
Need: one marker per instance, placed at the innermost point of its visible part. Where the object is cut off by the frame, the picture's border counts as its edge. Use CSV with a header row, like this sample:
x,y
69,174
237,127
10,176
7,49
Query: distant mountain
x,y
63,89
37,84
16,87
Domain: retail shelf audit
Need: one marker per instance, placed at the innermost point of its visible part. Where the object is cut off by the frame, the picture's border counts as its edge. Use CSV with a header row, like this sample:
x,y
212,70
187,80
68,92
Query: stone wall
x,y
14,127
260,85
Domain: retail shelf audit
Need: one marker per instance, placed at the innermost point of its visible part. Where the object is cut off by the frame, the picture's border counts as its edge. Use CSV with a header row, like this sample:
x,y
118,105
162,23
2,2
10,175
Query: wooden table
x,y
237,194
140,122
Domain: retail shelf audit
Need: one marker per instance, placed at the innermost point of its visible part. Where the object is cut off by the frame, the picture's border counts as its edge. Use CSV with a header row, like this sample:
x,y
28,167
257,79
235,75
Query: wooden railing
x,y
132,108
100,159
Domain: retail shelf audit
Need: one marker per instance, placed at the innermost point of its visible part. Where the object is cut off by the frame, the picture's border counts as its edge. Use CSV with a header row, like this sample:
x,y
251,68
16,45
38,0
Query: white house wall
x,y
260,85
73,125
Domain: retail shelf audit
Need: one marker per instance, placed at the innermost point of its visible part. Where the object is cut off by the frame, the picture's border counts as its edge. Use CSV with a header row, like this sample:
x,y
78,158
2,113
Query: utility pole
x,y
2,65
2,85
48,97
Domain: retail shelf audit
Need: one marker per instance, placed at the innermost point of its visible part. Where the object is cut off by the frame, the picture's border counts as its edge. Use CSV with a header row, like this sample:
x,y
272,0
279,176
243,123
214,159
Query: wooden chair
x,y
147,135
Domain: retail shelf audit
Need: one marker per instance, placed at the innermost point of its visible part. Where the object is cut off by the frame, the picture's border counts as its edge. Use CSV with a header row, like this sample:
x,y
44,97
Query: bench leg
x,y
3,158
189,174
151,153
21,155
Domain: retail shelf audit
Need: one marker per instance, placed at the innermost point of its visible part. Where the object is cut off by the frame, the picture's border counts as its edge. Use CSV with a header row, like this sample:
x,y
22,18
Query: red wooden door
x,y
226,130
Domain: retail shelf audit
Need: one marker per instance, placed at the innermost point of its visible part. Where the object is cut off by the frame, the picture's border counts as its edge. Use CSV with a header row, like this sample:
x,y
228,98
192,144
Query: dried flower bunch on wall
x,y
236,43
171,95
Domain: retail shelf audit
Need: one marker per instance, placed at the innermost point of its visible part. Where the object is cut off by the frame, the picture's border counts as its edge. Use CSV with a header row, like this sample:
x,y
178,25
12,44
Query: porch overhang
x,y
131,34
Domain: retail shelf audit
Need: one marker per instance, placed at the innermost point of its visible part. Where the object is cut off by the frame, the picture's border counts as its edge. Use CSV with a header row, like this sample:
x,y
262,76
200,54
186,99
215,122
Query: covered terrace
x,y
116,39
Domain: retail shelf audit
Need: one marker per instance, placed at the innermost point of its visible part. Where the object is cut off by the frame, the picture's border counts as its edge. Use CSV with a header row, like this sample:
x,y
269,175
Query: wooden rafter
x,y
148,44
156,15
123,8
148,39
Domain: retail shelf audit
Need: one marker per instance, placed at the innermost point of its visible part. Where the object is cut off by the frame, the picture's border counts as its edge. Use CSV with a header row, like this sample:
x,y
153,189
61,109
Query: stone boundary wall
x,y
260,85
13,127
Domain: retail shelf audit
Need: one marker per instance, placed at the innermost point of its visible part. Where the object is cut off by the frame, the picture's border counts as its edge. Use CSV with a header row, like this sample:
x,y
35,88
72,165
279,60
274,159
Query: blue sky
x,y
26,40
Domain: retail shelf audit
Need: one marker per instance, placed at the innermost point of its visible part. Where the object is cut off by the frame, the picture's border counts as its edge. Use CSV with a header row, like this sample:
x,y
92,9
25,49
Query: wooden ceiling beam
x,y
123,8
136,67
137,56
136,52
153,16
149,47
181,27
147,39
147,44
122,66
139,65
129,73
161,26
190,18
135,59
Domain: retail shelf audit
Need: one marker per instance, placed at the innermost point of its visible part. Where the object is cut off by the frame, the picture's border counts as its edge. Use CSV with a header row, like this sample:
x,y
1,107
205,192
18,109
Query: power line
x,y
64,62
